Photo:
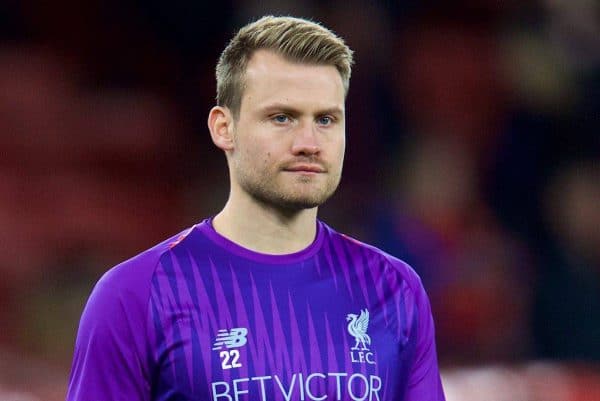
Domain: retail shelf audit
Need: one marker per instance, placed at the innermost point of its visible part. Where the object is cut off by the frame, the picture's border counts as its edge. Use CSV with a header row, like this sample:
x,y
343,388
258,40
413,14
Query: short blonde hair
x,y
296,39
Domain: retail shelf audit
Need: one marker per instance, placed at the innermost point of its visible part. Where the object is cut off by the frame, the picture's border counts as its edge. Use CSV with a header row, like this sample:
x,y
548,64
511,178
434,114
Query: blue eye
x,y
325,120
281,118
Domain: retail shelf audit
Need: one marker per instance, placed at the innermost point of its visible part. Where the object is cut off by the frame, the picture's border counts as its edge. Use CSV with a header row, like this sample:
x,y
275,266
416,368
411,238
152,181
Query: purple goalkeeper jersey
x,y
198,317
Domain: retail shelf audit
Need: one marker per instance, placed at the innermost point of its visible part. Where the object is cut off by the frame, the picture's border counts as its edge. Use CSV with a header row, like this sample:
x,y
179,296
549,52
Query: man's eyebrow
x,y
336,111
281,107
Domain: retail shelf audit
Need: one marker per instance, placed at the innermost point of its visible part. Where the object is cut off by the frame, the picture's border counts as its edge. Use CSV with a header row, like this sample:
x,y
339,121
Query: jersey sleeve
x,y
111,359
424,383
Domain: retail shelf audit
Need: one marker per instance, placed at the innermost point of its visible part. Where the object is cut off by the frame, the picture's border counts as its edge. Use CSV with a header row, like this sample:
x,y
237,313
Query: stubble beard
x,y
290,197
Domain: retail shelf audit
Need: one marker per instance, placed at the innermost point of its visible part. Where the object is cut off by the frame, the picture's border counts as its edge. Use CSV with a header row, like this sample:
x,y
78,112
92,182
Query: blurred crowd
x,y
473,154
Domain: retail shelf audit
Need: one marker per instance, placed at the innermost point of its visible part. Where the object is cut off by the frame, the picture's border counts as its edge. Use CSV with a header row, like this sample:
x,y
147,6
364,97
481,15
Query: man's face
x,y
289,138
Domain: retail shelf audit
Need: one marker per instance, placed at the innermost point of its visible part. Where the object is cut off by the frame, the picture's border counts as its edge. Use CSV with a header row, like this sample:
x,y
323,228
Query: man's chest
x,y
267,338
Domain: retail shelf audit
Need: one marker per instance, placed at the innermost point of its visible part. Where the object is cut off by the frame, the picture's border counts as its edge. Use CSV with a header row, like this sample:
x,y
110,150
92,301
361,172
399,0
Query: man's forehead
x,y
268,63
273,83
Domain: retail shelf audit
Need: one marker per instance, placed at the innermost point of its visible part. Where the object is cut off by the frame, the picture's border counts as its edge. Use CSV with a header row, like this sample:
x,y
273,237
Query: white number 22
x,y
234,355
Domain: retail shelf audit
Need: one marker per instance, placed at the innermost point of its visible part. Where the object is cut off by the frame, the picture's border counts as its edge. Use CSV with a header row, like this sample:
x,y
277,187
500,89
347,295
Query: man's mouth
x,y
305,168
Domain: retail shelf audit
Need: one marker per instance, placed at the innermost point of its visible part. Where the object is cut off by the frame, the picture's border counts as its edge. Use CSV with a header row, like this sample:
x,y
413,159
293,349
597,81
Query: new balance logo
x,y
233,338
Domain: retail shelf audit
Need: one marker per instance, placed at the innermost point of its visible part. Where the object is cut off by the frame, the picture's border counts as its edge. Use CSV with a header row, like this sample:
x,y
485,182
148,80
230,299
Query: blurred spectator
x,y
475,273
80,170
448,78
567,309
530,382
26,379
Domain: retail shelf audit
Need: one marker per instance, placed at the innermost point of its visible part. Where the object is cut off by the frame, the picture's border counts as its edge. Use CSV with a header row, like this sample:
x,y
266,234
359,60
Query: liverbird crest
x,y
357,327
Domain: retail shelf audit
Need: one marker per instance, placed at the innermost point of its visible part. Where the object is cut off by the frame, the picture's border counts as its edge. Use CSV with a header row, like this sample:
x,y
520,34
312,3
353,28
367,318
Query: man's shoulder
x,y
378,257
138,270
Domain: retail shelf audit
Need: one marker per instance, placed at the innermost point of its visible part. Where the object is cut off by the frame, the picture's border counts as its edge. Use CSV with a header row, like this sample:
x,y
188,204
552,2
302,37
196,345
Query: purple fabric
x,y
198,317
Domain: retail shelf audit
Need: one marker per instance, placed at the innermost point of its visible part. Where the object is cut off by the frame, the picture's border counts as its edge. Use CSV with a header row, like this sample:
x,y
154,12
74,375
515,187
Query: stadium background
x,y
473,149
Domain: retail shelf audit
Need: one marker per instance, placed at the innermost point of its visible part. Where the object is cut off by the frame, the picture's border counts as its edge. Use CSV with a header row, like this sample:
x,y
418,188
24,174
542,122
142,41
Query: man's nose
x,y
306,141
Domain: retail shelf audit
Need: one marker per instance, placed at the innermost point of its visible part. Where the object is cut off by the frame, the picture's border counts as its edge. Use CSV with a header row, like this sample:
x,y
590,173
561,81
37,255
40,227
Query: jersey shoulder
x,y
142,264
123,292
390,263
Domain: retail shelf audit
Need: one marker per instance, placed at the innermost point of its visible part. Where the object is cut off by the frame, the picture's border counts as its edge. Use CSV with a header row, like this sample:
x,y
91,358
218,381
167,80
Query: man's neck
x,y
265,229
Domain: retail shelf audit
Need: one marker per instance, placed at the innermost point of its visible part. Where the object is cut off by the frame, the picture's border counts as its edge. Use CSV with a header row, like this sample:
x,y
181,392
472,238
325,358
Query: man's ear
x,y
220,124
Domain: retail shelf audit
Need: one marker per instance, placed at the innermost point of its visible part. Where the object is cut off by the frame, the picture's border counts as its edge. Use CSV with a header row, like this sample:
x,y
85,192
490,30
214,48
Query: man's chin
x,y
294,203
291,198
298,203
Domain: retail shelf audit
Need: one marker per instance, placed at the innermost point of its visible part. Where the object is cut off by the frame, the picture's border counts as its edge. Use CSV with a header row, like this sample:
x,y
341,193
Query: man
x,y
263,301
